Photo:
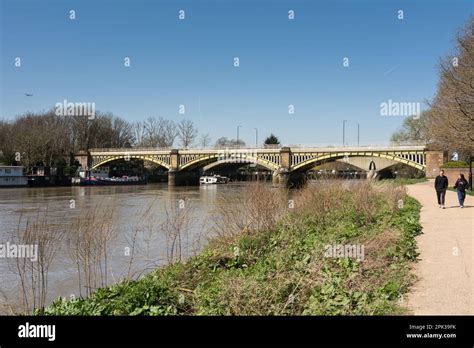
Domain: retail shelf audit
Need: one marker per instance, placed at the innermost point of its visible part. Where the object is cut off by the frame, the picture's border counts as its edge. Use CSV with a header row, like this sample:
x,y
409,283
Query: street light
x,y
256,137
358,133
344,132
470,172
238,127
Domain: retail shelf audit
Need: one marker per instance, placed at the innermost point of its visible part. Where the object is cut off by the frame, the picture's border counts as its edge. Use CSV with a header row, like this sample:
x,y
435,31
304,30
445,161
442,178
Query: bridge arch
x,y
335,156
216,164
214,160
130,156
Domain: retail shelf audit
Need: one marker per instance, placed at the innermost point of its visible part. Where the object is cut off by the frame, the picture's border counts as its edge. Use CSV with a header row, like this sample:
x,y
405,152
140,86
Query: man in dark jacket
x,y
441,184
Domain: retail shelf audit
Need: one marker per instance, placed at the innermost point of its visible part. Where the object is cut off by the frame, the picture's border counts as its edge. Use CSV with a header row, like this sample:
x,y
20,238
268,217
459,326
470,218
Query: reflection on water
x,y
139,214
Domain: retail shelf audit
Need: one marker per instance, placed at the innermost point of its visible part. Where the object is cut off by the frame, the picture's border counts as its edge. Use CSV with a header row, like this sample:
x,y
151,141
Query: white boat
x,y
214,179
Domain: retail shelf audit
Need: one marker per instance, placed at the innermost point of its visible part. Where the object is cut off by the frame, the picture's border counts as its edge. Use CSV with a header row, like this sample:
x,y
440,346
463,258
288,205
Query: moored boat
x,y
99,177
124,180
213,179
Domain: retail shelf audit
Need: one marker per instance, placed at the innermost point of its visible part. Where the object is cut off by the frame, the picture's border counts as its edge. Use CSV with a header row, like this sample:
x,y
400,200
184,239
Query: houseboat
x,y
100,177
12,176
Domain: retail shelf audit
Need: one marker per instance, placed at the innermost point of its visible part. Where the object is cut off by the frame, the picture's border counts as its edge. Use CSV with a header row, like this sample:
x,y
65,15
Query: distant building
x,y
12,176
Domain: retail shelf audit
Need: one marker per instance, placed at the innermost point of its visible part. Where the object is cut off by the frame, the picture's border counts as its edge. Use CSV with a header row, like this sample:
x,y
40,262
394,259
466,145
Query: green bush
x,y
455,164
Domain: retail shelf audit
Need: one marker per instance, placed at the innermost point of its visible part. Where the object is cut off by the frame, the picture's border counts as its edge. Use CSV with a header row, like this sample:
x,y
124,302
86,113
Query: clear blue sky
x,y
190,61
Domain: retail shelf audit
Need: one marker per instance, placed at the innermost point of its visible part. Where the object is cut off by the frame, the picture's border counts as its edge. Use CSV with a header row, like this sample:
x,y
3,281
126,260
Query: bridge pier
x,y
284,178
84,159
172,174
178,177
183,178
281,178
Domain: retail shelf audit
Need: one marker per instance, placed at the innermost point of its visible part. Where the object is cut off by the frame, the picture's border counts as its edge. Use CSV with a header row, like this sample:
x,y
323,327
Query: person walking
x,y
441,185
461,186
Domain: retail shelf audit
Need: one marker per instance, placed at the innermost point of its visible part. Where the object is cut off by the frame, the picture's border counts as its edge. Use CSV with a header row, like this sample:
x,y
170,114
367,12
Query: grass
x,y
403,181
409,181
281,269
469,193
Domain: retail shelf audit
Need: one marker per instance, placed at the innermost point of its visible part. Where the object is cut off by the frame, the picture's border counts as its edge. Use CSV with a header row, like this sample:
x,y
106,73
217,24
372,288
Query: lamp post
x,y
470,171
344,132
256,137
358,133
238,144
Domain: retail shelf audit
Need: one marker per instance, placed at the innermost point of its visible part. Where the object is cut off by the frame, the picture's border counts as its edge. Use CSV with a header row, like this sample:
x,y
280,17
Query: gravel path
x,y
445,281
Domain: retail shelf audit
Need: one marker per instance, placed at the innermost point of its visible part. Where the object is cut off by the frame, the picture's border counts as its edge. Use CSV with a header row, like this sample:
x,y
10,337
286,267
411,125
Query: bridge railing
x,y
189,148
113,149
375,147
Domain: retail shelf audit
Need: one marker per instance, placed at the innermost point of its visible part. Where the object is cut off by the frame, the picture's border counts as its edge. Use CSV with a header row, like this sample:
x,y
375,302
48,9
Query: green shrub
x,y
455,164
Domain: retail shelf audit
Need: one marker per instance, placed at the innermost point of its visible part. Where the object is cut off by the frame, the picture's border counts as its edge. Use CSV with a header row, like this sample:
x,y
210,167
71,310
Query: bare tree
x,y
122,133
6,142
225,142
152,130
452,121
187,132
46,238
88,246
205,140
48,139
169,133
139,135
159,132
178,216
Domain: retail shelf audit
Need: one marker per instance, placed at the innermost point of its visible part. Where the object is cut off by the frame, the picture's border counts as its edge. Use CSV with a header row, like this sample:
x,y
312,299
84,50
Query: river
x,y
126,210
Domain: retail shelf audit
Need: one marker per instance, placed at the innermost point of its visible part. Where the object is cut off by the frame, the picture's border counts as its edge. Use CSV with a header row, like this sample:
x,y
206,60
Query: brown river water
x,y
61,206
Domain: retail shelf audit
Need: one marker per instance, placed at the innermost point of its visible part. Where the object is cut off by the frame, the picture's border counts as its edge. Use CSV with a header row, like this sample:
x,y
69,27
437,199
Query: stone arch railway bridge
x,y
185,165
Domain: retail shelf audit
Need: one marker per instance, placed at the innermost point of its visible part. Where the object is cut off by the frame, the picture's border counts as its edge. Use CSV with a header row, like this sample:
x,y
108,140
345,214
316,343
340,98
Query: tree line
x,y
47,139
448,123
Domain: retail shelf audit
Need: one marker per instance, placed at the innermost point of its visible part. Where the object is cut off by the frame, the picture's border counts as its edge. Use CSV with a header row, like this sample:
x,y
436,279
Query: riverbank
x,y
286,269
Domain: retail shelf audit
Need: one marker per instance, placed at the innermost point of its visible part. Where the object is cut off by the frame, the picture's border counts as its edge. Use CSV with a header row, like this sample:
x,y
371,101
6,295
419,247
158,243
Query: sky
x,y
190,62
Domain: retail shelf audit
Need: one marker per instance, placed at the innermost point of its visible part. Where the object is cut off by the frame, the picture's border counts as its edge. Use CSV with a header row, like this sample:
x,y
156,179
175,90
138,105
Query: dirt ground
x,y
445,281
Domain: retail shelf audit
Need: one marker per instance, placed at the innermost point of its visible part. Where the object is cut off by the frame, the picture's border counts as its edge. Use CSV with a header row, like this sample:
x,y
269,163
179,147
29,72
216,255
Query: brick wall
x,y
453,173
434,161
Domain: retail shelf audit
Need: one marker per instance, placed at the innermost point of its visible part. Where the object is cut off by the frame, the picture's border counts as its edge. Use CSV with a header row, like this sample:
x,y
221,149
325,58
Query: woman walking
x,y
461,186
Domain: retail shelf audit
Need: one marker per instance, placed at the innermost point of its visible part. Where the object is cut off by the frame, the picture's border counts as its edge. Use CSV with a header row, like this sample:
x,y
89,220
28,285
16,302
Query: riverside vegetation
x,y
268,259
